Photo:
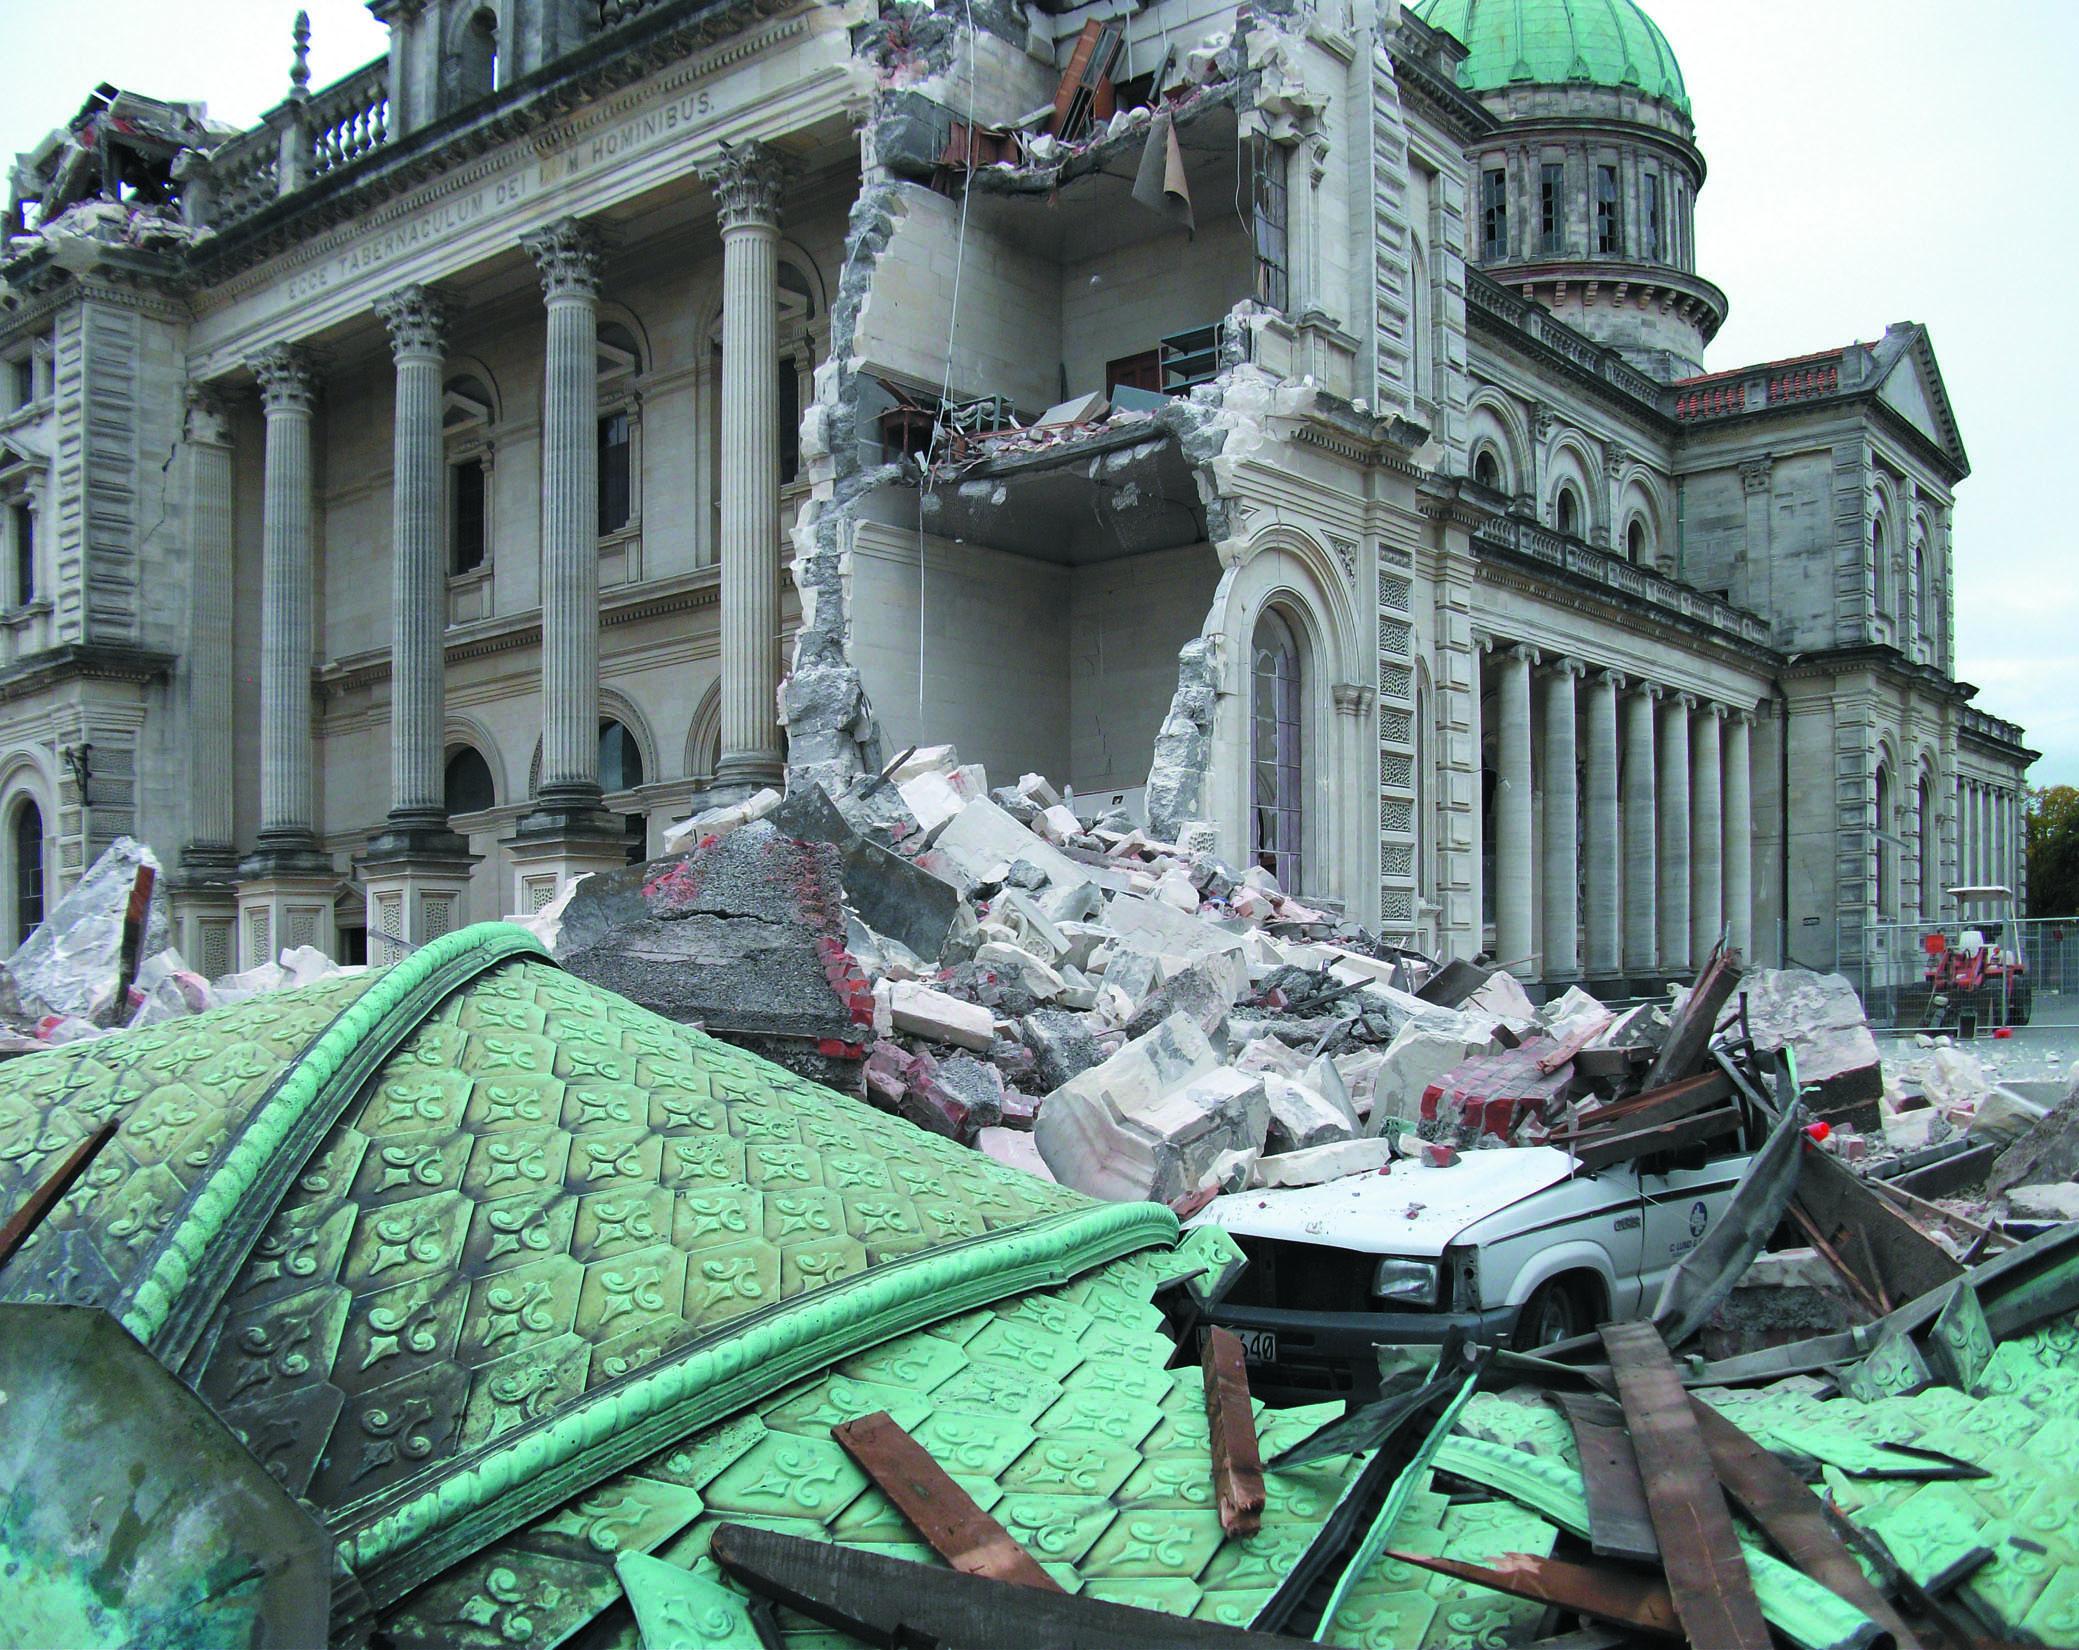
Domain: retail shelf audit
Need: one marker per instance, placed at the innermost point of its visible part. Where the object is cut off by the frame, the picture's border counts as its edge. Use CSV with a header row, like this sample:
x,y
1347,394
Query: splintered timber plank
x,y
1677,1099
944,1514
40,1202
1792,1517
1637,1601
1690,1036
1598,1151
1237,1461
1706,1571
1619,1524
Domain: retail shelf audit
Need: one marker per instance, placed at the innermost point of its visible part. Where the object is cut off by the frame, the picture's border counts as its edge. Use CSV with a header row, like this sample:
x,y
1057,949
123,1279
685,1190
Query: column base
x,y
550,849
203,891
280,908
752,770
417,881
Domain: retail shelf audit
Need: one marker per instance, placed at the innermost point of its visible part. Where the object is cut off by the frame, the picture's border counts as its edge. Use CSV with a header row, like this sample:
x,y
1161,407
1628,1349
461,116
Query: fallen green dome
x,y
1559,42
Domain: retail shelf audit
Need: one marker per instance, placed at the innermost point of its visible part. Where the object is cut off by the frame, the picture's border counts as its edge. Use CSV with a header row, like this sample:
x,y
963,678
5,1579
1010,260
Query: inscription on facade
x,y
558,160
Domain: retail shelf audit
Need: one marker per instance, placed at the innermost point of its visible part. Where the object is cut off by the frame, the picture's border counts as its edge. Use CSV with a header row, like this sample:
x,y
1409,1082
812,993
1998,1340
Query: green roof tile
x,y
1554,42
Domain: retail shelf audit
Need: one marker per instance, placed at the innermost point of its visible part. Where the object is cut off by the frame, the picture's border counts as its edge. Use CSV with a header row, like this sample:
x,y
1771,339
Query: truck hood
x,y
1408,1210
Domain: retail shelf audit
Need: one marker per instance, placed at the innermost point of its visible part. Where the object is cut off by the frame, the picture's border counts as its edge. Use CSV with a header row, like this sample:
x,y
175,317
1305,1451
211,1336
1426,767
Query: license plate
x,y
1259,1346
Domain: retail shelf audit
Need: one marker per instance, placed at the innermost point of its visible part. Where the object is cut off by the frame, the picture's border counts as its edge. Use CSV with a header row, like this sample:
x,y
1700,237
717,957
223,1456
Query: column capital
x,y
207,422
1687,701
1564,666
567,254
746,179
1521,651
288,378
417,317
1712,708
1351,698
1606,677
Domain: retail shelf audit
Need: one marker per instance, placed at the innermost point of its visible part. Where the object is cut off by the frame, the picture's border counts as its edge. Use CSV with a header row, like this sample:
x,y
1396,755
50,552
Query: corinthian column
x,y
1673,811
746,182
568,258
288,809
568,833
287,885
1739,832
417,320
1706,835
1604,956
1512,808
1641,849
1562,827
203,887
416,869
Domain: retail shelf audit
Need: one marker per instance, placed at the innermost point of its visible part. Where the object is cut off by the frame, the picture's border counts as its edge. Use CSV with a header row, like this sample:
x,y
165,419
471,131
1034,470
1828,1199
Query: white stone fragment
x,y
923,1012
1319,1164
1014,1147
1301,1117
1419,1055
2055,1200
1021,965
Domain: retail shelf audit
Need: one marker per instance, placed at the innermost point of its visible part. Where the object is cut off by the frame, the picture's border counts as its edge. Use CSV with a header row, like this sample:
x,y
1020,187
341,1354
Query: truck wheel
x,y
1556,1311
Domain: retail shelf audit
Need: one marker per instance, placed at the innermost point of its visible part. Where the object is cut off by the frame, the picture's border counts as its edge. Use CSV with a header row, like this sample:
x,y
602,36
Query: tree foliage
x,y
2053,851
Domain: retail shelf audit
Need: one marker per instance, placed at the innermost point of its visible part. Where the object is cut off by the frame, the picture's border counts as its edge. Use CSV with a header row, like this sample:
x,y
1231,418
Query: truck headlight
x,y
1414,1281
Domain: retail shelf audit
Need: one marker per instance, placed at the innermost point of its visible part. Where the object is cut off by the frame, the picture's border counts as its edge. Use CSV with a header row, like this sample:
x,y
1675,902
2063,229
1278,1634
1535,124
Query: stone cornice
x,y
1529,328
82,662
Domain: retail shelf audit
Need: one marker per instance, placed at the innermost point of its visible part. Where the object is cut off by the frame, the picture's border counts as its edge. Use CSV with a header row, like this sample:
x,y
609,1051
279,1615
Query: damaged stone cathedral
x,y
1286,421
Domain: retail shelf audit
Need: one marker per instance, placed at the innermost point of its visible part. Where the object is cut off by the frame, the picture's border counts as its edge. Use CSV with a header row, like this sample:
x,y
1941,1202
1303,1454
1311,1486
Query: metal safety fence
x,y
1972,974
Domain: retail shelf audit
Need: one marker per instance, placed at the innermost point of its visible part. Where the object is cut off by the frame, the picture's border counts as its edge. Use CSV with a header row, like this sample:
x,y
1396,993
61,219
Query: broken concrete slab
x,y
2053,1200
67,968
892,895
1016,1148
744,936
1033,975
1820,1018
1318,1165
719,822
1151,1120
2010,1110
1423,1052
1158,930
985,842
2048,1151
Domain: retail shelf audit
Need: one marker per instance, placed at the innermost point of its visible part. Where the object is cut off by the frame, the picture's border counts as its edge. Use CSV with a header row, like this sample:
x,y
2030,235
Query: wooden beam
x,y
1608,1594
1599,1151
1619,1526
944,1514
1706,1569
40,1202
1237,1461
1690,1035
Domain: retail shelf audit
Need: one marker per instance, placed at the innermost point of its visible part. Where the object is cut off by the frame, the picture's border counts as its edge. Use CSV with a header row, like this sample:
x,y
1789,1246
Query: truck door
x,y
1679,1206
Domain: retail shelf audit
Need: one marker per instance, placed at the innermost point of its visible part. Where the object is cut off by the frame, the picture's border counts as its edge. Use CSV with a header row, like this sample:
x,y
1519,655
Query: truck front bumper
x,y
1333,1355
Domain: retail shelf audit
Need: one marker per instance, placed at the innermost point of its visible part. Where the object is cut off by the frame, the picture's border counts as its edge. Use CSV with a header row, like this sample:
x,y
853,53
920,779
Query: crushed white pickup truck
x,y
1519,1243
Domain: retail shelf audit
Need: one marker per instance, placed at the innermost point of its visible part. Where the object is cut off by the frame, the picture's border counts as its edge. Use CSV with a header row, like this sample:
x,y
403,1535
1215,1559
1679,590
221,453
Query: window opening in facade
x,y
1267,211
614,478
1566,513
1880,558
1494,214
1635,541
1487,469
23,522
23,372
1276,758
469,788
1609,222
620,758
26,853
466,527
1929,881
1885,902
1655,241
1552,207
788,413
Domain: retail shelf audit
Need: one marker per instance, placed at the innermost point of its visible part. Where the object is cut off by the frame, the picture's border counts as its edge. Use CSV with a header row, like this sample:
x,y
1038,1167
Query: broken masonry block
x,y
923,1012
1317,1165
1300,1117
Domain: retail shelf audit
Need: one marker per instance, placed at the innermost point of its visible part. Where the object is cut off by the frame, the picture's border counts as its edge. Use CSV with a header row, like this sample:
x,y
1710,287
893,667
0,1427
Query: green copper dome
x,y
1552,42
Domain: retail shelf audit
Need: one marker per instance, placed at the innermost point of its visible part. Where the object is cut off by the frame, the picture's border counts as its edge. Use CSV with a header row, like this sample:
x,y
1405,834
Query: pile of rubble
x,y
103,960
1133,1017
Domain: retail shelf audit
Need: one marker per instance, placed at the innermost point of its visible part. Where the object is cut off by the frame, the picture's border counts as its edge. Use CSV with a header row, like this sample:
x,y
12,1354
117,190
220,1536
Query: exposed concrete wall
x,y
1129,299
1128,620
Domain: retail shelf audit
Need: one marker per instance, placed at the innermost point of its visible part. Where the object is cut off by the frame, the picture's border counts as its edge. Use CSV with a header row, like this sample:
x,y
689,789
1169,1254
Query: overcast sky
x,y
1871,161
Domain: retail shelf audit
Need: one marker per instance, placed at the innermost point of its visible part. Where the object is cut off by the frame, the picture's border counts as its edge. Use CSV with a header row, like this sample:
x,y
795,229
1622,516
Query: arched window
x,y
1880,562
1566,512
1487,469
1922,607
469,787
470,70
1277,757
1421,351
25,864
620,758
1635,541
